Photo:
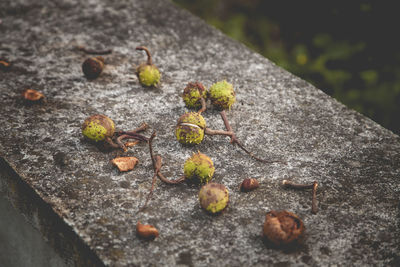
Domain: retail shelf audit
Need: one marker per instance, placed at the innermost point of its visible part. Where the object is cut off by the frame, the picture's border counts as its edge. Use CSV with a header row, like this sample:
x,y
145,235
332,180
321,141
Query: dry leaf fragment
x,y
131,144
125,163
32,95
146,231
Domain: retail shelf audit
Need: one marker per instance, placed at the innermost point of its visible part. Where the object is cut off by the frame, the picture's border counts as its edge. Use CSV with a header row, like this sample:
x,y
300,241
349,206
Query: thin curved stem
x,y
234,140
156,159
141,128
157,167
130,136
153,160
168,181
149,59
111,142
203,104
290,184
209,131
314,204
313,186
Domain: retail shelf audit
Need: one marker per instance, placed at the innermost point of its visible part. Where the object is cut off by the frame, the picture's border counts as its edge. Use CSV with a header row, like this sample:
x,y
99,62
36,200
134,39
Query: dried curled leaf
x,y
125,163
146,231
32,95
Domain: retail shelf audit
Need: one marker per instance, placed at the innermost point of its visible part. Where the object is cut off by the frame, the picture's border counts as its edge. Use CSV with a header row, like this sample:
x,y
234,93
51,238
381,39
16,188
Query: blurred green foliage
x,y
349,49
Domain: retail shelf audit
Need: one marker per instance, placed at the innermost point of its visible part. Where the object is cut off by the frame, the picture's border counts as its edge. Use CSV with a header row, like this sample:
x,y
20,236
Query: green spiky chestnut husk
x,y
92,67
190,128
148,74
192,94
98,128
222,95
213,197
199,168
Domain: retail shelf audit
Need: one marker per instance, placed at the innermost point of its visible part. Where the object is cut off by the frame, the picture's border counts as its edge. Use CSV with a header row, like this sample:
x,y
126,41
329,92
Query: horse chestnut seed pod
x,y
92,67
190,128
199,168
98,128
193,93
222,95
148,74
213,197
283,228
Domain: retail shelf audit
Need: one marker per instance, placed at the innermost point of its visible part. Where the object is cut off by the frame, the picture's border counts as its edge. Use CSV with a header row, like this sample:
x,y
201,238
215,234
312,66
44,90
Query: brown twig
x,y
157,168
314,208
111,143
143,48
313,186
153,159
158,158
203,104
141,128
229,132
289,184
135,136
92,51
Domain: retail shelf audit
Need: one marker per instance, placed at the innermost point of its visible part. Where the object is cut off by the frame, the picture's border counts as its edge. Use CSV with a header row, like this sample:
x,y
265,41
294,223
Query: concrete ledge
x,y
87,210
39,214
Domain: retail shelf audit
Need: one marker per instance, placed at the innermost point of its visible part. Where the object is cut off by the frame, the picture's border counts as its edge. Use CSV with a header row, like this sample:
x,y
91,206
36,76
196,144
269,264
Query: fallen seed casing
x,y
214,197
283,228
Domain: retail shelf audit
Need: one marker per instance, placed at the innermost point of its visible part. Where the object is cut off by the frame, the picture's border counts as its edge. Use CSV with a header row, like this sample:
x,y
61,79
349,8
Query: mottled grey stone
x,y
277,115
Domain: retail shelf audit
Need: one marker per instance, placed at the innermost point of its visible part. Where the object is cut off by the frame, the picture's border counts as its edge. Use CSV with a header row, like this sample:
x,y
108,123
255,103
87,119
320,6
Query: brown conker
x,y
283,228
92,67
146,231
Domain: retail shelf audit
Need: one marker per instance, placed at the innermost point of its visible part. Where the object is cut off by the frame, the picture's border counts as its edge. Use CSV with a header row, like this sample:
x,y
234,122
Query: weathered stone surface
x,y
277,115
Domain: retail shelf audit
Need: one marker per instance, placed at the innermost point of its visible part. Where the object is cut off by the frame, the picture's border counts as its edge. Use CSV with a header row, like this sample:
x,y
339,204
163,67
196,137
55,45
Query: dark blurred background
x,y
348,49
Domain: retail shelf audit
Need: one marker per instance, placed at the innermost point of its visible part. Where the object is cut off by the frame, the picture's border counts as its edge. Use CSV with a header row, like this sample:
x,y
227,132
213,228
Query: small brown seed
x,y
249,184
32,95
283,228
146,231
92,67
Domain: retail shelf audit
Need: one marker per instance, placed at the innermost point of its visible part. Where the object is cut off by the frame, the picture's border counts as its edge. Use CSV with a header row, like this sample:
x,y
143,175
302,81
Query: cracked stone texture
x,y
277,116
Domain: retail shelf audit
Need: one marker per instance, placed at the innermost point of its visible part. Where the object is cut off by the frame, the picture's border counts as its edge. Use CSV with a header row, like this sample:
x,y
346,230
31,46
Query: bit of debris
x,y
125,164
131,144
249,184
32,95
146,231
